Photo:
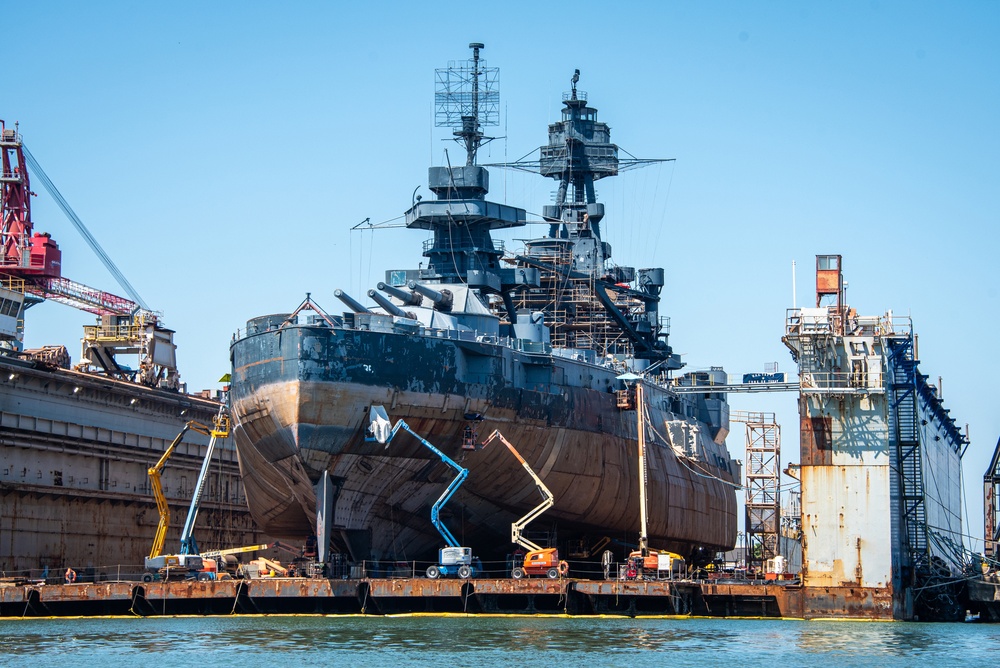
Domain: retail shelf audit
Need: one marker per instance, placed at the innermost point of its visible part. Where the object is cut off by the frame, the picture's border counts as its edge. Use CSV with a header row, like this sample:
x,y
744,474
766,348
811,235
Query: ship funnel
x,y
389,307
408,298
442,300
350,301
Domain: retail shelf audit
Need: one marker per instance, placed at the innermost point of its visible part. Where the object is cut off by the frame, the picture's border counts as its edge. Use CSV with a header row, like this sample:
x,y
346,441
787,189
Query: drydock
x,y
870,537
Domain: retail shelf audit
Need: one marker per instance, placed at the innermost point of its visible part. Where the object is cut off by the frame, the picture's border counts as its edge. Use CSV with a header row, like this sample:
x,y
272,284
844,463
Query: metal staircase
x,y
905,433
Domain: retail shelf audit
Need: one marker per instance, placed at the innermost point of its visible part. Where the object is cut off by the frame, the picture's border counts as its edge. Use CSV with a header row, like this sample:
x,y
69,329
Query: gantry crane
x,y
453,559
125,326
539,560
187,559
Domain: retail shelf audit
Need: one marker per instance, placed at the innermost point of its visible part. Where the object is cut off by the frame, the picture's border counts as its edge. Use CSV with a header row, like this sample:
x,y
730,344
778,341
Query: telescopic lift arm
x,y
382,433
221,430
188,545
548,500
154,482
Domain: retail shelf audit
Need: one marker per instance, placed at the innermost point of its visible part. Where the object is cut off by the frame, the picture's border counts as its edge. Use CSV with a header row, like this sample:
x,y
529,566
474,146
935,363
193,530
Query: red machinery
x,y
126,326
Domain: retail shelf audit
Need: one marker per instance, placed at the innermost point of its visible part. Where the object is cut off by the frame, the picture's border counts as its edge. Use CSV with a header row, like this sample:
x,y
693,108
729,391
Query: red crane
x,y
125,326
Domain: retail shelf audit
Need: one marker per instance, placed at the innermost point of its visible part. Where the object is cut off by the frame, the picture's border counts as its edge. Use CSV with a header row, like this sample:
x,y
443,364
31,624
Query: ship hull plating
x,y
301,396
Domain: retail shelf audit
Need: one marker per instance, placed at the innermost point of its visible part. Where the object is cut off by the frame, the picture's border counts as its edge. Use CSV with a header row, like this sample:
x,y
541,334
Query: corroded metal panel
x,y
618,588
415,587
105,591
846,526
527,586
191,589
873,603
11,594
300,588
816,440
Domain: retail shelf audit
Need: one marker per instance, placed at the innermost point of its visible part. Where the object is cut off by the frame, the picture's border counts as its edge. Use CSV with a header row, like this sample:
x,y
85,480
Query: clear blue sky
x,y
220,152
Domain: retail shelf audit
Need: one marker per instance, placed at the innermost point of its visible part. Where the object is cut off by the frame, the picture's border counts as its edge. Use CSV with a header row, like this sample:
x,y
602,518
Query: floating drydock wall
x,y
872,434
74,455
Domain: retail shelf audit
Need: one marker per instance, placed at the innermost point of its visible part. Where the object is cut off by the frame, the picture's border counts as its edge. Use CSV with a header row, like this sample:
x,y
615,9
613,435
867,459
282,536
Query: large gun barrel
x,y
389,307
408,298
350,301
442,300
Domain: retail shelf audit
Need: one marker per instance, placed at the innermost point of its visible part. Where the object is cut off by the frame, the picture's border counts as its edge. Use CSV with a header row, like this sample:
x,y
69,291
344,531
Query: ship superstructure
x,y
481,339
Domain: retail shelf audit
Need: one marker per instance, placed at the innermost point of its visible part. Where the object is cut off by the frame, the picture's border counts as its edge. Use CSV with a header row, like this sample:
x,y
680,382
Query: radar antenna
x,y
467,98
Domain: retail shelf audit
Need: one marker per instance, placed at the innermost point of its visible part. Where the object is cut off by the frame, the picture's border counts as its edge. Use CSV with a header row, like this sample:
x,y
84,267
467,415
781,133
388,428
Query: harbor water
x,y
485,641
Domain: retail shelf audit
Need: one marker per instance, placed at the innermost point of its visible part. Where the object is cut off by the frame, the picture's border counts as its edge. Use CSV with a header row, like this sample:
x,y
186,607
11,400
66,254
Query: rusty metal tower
x,y
763,499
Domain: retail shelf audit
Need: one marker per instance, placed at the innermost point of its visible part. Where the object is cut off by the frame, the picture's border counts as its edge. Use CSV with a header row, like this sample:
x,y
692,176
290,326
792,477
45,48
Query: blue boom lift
x,y
453,559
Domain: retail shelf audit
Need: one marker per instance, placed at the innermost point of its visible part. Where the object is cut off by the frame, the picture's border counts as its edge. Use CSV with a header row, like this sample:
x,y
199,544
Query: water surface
x,y
484,642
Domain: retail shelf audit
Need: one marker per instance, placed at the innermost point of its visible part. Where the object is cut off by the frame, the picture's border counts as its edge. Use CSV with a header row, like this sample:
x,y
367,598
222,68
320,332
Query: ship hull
x,y
301,395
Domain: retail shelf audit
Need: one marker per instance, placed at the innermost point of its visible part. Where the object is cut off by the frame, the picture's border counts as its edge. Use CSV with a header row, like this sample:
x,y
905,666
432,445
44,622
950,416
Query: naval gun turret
x,y
389,307
350,301
443,300
408,298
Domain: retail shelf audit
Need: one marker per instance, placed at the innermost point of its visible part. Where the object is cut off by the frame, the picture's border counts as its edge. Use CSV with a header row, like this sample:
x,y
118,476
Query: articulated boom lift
x,y
453,559
539,560
188,559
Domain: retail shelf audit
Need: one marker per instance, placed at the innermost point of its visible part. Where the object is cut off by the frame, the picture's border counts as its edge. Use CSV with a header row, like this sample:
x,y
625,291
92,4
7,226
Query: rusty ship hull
x,y
301,396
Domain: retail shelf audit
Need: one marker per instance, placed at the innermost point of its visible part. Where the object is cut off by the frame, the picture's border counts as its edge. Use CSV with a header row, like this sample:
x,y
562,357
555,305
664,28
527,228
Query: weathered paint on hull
x,y
300,403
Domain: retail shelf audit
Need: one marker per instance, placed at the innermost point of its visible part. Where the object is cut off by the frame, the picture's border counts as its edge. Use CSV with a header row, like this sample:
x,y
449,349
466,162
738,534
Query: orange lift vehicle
x,y
539,560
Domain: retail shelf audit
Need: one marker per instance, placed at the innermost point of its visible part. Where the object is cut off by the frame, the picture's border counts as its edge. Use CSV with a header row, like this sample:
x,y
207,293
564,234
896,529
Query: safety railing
x,y
374,569
869,381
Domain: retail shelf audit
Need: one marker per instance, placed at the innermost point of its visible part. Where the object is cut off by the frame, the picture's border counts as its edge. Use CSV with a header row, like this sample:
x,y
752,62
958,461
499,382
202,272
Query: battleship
x,y
547,345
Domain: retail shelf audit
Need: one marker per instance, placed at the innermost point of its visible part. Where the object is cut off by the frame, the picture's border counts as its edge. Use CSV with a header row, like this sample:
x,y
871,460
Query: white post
x,y
794,304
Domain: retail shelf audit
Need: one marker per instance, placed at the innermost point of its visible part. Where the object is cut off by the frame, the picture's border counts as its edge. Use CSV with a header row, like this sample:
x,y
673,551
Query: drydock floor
x,y
414,595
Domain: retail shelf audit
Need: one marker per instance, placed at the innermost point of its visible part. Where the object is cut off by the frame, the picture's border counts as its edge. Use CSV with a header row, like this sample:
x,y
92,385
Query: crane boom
x,y
81,228
548,500
380,428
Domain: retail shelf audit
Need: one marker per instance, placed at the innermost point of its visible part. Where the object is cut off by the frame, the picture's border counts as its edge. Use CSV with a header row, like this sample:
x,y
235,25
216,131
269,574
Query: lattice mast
x,y
467,97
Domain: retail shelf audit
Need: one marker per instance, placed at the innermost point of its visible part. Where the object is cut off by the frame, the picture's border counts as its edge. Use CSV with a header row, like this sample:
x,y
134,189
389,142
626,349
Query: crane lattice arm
x,y
379,421
548,500
154,481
